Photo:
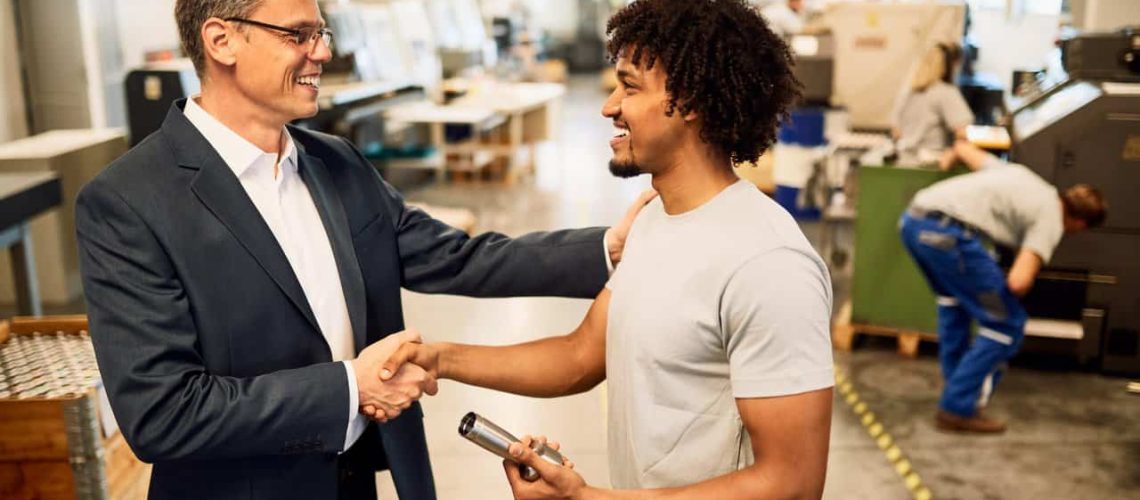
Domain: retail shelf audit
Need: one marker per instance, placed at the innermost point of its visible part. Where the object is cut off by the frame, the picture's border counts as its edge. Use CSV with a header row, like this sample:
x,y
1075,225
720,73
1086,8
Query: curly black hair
x,y
720,60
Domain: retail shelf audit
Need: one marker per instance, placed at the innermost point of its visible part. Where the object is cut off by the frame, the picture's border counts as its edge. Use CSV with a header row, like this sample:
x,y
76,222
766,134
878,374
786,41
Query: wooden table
x,y
530,109
339,94
988,137
527,109
76,157
22,197
436,117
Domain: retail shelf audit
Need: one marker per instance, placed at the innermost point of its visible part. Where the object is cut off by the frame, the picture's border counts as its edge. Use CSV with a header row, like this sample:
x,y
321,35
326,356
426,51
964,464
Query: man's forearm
x,y
974,157
550,367
748,483
1023,272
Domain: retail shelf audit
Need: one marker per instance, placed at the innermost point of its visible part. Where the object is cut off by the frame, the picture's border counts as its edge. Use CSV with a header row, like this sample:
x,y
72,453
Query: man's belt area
x,y
947,220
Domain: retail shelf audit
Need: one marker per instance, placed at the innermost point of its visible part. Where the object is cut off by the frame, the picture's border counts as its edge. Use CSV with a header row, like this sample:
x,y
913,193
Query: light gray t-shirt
x,y
927,119
1014,206
726,301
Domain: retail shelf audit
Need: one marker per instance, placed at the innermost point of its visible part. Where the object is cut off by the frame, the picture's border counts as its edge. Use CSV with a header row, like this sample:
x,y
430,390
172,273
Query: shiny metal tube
x,y
496,440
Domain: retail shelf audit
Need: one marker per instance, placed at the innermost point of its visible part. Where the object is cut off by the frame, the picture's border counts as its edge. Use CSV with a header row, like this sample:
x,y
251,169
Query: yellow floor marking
x,y
882,438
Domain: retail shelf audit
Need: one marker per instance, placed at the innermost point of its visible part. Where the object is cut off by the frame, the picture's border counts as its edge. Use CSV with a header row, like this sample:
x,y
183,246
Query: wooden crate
x,y
54,447
843,337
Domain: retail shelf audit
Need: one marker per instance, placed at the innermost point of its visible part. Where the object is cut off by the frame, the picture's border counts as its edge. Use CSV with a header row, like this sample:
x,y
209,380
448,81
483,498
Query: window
x,y
1042,7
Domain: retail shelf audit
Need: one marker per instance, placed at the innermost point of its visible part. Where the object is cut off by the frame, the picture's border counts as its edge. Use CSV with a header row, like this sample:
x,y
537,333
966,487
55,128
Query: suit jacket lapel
x,y
327,199
221,192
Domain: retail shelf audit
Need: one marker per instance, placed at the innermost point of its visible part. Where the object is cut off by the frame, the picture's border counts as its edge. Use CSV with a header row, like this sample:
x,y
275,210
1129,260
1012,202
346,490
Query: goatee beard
x,y
625,170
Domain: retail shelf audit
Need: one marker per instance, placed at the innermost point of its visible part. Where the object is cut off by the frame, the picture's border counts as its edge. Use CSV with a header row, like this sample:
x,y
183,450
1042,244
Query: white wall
x,y
1106,15
558,17
1014,44
145,25
13,123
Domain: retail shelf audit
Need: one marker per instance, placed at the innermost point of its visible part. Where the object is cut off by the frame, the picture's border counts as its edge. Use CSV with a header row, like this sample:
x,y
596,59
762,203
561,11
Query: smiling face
x,y
274,73
645,137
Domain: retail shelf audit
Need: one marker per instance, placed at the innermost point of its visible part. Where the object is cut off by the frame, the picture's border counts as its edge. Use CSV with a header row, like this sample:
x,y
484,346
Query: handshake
x,y
394,373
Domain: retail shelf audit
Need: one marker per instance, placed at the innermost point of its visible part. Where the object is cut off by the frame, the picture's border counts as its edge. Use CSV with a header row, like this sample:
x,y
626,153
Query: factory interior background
x,y
487,115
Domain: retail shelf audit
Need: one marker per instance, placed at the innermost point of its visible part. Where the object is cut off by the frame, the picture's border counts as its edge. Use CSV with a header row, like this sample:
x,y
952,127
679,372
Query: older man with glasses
x,y
243,278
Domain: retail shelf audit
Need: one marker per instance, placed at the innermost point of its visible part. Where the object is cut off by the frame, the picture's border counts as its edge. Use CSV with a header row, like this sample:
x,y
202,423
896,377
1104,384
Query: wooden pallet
x,y
843,337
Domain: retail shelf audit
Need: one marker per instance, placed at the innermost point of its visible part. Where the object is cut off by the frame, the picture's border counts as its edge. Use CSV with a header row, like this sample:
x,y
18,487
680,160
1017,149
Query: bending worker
x,y
944,230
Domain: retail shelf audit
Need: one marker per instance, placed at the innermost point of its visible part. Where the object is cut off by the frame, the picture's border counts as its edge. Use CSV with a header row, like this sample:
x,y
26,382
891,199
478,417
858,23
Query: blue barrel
x,y
804,128
786,196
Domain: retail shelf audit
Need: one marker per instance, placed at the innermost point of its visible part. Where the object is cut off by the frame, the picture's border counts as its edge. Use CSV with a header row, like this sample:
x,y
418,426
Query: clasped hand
x,y
383,396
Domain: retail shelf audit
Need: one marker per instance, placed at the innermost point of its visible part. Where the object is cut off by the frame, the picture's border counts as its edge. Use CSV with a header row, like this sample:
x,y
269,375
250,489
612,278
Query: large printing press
x,y
1085,127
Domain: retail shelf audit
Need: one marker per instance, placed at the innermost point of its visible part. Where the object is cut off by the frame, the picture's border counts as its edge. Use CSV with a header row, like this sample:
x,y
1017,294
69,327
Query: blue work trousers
x,y
970,287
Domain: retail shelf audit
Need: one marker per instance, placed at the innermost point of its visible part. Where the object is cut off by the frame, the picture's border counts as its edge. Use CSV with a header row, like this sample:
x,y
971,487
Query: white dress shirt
x,y
284,202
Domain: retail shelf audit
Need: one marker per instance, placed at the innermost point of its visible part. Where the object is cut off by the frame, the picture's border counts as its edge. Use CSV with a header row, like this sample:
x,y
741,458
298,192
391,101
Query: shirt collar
x,y
238,153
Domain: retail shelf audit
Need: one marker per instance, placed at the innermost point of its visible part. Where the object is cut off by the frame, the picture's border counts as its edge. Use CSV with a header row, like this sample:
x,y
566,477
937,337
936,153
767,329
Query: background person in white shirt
x,y
931,113
243,278
785,17
714,334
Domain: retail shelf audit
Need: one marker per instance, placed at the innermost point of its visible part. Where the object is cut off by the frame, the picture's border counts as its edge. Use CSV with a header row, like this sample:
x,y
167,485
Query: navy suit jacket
x,y
213,361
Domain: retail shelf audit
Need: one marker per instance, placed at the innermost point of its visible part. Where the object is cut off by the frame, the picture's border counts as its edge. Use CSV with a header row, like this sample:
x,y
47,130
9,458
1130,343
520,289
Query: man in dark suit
x,y
243,278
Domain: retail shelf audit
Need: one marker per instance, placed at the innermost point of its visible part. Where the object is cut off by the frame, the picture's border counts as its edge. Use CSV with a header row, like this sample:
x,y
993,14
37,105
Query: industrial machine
x,y
815,66
152,89
1087,130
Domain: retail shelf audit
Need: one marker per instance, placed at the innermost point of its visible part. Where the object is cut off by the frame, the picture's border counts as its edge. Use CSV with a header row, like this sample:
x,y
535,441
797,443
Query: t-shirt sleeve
x,y
1045,233
992,162
613,277
955,111
776,316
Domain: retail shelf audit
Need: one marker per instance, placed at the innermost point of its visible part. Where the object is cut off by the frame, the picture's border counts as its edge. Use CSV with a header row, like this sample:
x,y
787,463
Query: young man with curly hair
x,y
714,331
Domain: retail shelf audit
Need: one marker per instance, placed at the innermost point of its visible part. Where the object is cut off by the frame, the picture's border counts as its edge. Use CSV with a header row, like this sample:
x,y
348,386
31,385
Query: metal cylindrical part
x,y
496,440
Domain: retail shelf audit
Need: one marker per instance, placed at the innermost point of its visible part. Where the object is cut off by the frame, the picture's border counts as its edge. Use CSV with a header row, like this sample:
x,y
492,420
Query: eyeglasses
x,y
303,37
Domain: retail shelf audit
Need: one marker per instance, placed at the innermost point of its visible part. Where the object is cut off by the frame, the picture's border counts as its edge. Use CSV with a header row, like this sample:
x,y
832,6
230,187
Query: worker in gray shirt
x,y
944,230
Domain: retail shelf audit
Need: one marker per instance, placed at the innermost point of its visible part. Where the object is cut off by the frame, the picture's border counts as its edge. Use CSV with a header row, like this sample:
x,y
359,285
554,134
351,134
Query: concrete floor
x,y
1072,434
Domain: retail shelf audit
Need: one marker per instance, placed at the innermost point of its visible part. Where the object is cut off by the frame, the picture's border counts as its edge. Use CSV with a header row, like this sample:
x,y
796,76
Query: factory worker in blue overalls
x,y
945,230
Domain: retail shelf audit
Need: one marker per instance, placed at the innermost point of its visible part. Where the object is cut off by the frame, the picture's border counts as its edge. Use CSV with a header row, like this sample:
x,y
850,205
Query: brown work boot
x,y
978,423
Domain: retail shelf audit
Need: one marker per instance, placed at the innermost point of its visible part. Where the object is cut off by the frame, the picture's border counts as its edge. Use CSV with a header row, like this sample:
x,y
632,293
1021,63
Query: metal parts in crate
x,y
55,441
47,365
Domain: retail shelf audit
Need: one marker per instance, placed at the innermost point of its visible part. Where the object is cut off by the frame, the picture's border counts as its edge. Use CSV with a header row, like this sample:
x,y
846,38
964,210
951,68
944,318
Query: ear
x,y
691,116
218,41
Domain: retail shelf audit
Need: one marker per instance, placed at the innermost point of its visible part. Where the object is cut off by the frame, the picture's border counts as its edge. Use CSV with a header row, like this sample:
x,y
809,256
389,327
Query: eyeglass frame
x,y
325,34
